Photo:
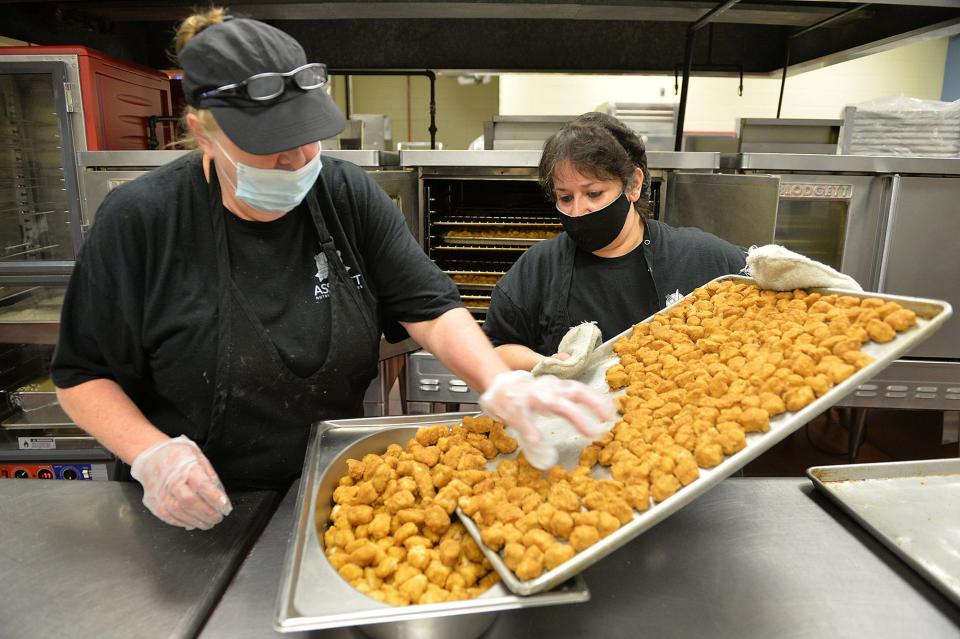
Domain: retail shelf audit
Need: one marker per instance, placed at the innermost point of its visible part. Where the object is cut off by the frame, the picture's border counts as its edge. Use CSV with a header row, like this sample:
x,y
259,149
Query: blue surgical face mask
x,y
274,190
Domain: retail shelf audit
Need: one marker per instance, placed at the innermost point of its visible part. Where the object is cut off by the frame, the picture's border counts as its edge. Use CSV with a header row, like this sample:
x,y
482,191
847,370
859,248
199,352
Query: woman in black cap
x,y
225,301
612,265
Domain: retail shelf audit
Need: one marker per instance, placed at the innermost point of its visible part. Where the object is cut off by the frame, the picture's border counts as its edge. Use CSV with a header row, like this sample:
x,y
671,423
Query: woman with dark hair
x,y
612,265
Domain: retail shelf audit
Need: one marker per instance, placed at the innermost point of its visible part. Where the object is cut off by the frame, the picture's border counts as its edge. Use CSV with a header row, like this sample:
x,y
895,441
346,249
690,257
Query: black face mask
x,y
595,230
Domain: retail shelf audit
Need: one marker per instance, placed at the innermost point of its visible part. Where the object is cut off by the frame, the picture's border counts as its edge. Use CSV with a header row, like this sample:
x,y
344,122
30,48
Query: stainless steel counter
x,y
87,559
841,163
751,558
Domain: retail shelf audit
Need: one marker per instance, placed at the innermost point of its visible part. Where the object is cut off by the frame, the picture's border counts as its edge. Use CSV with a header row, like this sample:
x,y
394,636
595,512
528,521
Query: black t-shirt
x,y
615,292
141,306
274,264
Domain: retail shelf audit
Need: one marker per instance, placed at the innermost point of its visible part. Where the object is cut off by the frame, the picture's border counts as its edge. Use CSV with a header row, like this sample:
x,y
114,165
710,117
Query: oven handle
x,y
888,234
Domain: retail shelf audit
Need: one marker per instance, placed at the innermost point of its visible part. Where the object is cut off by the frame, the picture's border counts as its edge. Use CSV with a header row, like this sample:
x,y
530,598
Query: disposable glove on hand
x,y
778,269
515,397
579,342
180,486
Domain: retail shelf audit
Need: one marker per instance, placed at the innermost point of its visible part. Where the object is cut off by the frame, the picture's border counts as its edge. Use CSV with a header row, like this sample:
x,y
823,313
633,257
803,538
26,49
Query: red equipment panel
x,y
117,97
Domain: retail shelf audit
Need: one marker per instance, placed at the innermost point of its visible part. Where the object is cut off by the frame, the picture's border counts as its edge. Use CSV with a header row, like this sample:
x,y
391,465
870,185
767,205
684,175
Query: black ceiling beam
x,y
878,23
688,64
793,36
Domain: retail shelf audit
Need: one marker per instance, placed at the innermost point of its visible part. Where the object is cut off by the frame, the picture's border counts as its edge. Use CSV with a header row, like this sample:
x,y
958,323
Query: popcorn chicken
x,y
756,420
617,377
449,552
513,554
399,500
538,537
686,470
562,497
901,319
857,359
606,523
427,455
796,398
531,565
557,554
359,514
583,537
414,587
429,435
436,519
663,485
731,438
351,572
560,524
708,455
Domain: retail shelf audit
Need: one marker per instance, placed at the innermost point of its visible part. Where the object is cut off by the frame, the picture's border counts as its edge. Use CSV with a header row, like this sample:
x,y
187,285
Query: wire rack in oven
x,y
475,280
473,231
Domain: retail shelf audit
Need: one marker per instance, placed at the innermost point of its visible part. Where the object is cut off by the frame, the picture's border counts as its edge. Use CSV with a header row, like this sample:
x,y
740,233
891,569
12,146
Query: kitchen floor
x,y
891,435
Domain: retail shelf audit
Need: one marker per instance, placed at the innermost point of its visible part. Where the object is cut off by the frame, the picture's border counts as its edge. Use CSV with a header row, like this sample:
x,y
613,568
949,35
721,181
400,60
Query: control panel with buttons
x,y
66,471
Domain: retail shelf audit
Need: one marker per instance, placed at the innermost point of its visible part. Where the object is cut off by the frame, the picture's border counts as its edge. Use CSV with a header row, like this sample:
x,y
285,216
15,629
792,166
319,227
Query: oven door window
x,y
814,228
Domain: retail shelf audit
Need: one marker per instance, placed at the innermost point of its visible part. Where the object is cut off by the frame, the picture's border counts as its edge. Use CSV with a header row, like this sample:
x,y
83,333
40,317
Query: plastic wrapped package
x,y
900,125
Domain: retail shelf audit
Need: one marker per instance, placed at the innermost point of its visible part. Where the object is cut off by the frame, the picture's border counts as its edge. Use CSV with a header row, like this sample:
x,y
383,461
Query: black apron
x,y
262,411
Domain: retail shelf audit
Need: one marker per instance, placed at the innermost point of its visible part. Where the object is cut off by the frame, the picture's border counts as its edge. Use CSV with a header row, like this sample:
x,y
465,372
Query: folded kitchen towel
x,y
579,341
776,268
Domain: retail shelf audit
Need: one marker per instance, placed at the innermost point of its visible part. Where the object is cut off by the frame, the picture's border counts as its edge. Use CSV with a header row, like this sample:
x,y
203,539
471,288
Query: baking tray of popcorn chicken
x,y
704,387
319,587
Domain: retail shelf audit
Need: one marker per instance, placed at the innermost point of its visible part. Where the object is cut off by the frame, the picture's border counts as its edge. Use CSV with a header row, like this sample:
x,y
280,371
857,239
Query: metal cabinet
x,y
920,255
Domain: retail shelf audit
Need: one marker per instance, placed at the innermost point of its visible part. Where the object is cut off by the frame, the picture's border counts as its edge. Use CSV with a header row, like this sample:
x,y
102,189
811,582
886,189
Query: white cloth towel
x,y
776,268
579,341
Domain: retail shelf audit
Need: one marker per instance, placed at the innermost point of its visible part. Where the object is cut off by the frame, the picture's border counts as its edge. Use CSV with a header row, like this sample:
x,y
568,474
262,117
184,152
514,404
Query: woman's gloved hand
x,y
180,486
515,397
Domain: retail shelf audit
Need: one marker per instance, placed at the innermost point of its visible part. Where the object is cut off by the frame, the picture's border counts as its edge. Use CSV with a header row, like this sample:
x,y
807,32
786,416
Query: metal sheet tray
x,y
931,314
912,507
476,286
312,595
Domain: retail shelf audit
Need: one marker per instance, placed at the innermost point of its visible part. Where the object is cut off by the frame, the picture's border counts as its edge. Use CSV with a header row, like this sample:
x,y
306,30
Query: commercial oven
x,y
891,224
54,103
37,439
480,210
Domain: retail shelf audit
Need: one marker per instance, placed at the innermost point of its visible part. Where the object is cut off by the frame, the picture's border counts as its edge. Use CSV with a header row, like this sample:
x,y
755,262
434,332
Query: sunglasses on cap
x,y
267,86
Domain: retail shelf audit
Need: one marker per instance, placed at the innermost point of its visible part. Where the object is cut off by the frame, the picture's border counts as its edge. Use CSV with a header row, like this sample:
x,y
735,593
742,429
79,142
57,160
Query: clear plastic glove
x,y
180,486
515,397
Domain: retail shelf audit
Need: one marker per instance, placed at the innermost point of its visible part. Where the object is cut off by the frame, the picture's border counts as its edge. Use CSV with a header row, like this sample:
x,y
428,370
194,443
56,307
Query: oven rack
x,y
495,220
481,248
476,303
490,279
486,266
492,241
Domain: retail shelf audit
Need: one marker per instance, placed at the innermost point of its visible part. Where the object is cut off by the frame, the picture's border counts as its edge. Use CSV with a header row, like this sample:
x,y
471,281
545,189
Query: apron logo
x,y
321,290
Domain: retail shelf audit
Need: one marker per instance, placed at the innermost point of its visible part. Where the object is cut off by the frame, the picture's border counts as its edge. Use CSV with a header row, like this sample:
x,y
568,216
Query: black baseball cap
x,y
231,52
